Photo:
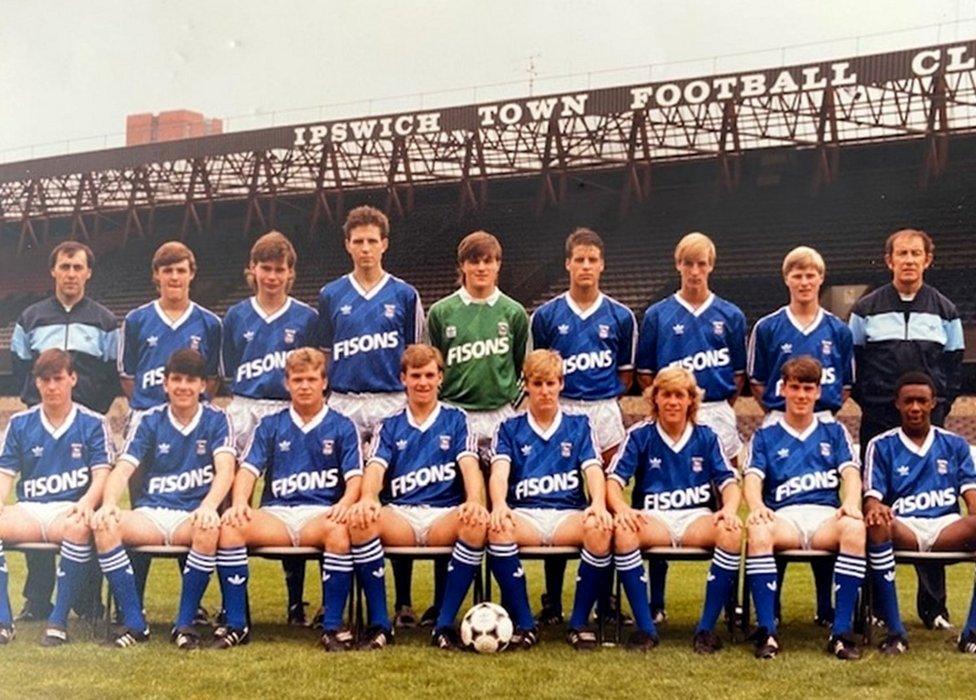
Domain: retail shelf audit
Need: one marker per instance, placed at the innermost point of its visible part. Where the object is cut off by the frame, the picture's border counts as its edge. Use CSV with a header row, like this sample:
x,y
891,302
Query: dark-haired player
x,y
183,452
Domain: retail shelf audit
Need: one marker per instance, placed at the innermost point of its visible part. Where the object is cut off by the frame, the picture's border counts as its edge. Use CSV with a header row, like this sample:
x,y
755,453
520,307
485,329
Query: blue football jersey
x,y
546,465
255,346
671,475
421,460
595,344
801,468
778,337
304,464
366,332
919,482
709,341
147,340
176,462
55,464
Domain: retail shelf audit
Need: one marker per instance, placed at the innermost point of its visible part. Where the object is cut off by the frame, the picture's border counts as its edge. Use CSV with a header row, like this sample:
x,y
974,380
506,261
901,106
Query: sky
x,y
71,71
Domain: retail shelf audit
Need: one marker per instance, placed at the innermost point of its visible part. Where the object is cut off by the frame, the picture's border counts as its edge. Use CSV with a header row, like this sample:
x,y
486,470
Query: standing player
x,y
706,335
423,485
914,478
259,332
540,460
796,464
482,334
311,460
905,326
597,339
184,453
62,453
803,327
679,471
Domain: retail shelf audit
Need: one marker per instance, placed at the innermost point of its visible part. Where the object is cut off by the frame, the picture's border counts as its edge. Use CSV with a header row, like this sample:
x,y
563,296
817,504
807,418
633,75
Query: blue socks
x,y
196,577
592,579
630,569
232,573
371,571
658,570
761,577
117,568
461,569
849,573
507,569
721,578
882,558
337,571
72,570
6,616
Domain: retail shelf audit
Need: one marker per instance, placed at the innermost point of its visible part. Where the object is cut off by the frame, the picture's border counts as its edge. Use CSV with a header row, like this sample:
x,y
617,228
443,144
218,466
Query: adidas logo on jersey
x,y
654,462
345,309
475,350
284,446
163,448
588,360
152,341
563,329
37,451
783,453
365,343
903,470
248,336
678,329
786,348
704,359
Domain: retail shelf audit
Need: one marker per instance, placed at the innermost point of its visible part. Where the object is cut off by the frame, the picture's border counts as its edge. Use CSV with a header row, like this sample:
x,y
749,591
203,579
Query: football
x,y
486,628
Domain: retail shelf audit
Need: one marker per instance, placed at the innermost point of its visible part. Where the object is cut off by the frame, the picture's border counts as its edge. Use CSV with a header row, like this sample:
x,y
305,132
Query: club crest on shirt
x,y
678,328
328,447
566,448
162,448
697,463
654,463
942,466
201,447
502,329
76,450
389,310
563,329
826,346
290,335
445,442
284,446
603,330
401,445
450,332
195,342
152,341
824,449
718,327
248,336
345,309
37,450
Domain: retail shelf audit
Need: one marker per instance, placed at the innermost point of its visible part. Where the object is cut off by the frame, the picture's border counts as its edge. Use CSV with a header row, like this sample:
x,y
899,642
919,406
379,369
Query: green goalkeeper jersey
x,y
483,342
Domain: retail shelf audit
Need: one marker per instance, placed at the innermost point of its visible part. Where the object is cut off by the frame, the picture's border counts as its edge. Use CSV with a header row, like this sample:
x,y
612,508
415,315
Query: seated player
x,y
539,461
184,453
423,485
62,453
311,461
914,477
678,470
792,476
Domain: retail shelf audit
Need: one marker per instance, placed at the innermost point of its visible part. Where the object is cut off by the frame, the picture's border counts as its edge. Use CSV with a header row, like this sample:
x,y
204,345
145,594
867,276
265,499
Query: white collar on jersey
x,y
270,318
679,444
799,326
912,447
802,437
374,290
165,319
468,299
189,427
693,311
312,424
537,429
63,428
422,427
589,311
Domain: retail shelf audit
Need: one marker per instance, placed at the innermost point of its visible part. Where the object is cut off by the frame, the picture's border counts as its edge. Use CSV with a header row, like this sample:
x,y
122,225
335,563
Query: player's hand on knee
x,y
877,514
760,516
339,513
365,513
105,517
80,513
630,519
205,518
728,519
237,515
502,518
599,517
851,510
473,513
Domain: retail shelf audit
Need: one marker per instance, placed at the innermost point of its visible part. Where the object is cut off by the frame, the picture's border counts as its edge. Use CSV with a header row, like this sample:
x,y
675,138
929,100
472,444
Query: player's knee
x,y
108,537
230,536
77,532
337,540
625,540
879,533
759,539
504,536
474,535
359,533
596,540
205,541
852,534
729,541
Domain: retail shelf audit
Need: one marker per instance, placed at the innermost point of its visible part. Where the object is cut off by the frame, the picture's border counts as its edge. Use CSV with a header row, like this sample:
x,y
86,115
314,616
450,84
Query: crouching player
x,y
537,498
311,461
62,454
413,471
678,468
914,477
795,466
184,451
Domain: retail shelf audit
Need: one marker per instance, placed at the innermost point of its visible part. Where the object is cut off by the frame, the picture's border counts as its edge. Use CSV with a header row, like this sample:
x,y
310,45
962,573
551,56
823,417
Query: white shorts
x,y
806,518
774,416
606,420
245,412
45,513
545,520
367,411
295,518
166,520
484,424
720,417
421,518
677,521
927,530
